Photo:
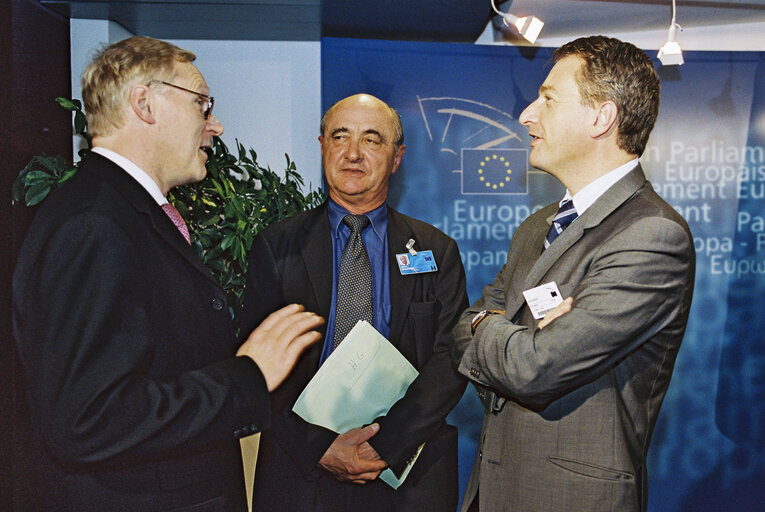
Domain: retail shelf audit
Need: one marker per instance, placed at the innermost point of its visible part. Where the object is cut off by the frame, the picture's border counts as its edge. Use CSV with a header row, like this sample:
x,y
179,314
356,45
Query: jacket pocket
x,y
214,505
591,470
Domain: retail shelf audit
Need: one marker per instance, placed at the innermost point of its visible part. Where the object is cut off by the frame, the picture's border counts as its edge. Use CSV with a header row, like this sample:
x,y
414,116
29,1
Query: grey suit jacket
x,y
571,408
291,261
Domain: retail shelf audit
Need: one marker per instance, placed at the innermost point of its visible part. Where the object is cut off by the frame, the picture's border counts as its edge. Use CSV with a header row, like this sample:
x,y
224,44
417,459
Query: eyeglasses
x,y
210,99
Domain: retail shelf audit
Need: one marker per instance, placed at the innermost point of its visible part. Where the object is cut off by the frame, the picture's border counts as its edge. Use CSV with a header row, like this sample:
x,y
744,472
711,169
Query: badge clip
x,y
409,247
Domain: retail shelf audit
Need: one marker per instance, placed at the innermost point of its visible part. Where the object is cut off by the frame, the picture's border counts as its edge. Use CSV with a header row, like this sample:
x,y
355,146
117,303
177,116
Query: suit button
x,y
217,304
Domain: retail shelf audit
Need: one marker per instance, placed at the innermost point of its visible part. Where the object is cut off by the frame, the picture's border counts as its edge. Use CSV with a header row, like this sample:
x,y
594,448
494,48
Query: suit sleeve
x,y
634,287
88,342
264,293
420,412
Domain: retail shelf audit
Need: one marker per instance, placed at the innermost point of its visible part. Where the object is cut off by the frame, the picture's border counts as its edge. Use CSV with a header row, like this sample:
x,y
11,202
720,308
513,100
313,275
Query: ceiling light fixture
x,y
670,54
528,26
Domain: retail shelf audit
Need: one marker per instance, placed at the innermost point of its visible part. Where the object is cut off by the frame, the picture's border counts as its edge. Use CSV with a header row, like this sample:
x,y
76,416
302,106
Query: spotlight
x,y
528,26
670,54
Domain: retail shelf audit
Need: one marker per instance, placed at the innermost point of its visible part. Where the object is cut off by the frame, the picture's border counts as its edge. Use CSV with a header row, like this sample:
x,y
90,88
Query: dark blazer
x,y
577,402
128,351
292,262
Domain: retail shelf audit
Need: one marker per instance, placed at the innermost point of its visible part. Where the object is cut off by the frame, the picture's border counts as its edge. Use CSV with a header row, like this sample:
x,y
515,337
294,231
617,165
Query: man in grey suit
x,y
571,400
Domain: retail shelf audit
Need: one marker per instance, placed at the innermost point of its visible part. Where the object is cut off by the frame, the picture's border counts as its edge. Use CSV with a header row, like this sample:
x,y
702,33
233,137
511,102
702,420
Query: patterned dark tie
x,y
354,281
175,216
565,216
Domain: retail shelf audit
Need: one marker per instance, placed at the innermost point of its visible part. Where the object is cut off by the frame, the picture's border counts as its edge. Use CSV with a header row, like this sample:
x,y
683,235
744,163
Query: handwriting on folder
x,y
360,381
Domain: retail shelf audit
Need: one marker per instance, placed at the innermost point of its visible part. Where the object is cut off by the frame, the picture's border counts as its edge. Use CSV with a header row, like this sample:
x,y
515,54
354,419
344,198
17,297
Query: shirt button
x,y
217,304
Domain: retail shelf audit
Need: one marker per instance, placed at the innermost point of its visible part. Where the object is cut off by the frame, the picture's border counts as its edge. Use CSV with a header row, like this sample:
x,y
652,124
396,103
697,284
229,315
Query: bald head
x,y
367,100
361,147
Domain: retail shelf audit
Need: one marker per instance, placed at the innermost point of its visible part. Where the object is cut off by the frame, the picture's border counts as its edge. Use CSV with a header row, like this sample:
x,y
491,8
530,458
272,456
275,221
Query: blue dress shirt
x,y
375,238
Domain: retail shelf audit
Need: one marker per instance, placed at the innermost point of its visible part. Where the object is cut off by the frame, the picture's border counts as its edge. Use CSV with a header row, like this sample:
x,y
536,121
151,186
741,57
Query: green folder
x,y
360,381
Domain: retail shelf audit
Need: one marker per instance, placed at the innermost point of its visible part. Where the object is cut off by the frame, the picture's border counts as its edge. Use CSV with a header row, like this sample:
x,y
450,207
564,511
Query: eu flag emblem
x,y
494,171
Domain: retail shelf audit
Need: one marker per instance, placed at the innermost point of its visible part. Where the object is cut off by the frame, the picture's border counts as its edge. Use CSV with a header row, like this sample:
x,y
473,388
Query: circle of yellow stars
x,y
489,184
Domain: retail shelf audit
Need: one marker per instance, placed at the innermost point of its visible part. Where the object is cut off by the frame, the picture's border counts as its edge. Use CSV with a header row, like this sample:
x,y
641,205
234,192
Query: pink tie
x,y
175,216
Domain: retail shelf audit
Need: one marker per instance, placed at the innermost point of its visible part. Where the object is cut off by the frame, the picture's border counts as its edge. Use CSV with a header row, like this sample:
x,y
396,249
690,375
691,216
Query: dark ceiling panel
x,y
196,19
414,20
289,20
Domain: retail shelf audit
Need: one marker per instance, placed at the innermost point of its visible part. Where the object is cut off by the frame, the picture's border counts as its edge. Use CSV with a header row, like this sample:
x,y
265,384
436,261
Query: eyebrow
x,y
546,88
366,132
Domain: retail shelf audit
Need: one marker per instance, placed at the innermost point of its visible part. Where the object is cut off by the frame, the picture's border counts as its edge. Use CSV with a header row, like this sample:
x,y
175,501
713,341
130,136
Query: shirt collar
x,y
589,194
378,218
136,172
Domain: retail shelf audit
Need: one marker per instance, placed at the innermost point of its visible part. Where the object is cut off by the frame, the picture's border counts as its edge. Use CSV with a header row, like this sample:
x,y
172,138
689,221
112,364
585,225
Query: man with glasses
x,y
137,385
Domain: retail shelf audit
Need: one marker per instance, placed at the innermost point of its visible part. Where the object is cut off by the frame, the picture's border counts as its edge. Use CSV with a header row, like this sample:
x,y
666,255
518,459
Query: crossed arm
x,y
626,290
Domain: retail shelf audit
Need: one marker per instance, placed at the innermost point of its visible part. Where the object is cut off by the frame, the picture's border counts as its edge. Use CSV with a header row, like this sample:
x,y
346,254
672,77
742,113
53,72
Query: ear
x,y
398,157
140,103
605,119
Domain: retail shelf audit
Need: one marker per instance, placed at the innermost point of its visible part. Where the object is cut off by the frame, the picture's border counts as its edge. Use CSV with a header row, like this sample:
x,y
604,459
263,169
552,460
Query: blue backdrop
x,y
465,171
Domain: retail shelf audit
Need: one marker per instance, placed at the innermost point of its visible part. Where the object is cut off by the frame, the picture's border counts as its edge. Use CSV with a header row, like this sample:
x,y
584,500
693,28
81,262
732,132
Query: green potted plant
x,y
224,212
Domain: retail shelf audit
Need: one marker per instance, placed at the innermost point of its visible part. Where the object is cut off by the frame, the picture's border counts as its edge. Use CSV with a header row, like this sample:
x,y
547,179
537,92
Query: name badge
x,y
543,298
418,263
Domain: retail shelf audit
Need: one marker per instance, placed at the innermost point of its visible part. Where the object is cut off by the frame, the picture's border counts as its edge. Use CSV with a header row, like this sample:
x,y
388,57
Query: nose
x,y
529,113
353,153
214,126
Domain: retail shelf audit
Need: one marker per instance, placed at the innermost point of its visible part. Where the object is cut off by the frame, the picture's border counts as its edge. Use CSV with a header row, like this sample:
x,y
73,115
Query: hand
x,y
350,458
277,343
560,310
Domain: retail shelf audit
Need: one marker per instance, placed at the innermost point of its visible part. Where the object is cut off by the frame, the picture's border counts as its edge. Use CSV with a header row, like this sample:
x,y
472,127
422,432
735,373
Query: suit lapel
x,y
522,267
146,205
604,206
316,251
401,287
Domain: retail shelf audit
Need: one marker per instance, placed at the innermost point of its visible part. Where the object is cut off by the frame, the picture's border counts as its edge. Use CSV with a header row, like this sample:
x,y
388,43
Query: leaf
x,y
239,252
218,188
36,194
80,123
227,241
35,176
68,174
242,151
68,104
50,164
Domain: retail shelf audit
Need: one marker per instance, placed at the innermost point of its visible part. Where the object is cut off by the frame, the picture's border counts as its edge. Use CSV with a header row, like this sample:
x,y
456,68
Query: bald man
x,y
306,467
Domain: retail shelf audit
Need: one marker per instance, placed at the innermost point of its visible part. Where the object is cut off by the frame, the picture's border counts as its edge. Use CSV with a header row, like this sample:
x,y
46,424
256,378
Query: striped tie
x,y
565,216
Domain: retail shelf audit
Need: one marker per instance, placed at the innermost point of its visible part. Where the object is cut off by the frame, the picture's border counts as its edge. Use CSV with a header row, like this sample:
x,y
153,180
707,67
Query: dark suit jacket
x,y
292,262
578,401
128,351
